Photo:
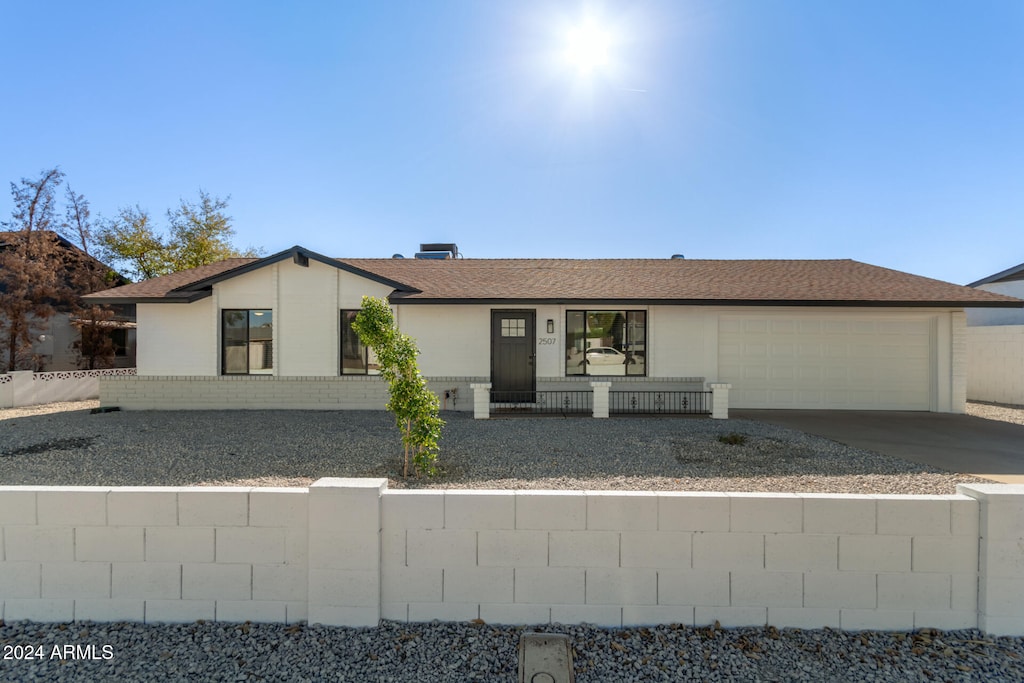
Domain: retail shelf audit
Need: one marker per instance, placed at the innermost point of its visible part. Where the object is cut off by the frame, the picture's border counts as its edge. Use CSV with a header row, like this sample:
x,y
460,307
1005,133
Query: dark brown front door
x,y
512,353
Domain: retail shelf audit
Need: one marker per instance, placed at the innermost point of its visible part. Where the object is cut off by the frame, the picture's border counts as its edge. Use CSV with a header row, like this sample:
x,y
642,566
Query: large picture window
x,y
606,343
356,359
247,342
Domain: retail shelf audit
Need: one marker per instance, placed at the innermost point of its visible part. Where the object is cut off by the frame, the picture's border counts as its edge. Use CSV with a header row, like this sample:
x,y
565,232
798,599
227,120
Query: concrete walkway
x,y
958,443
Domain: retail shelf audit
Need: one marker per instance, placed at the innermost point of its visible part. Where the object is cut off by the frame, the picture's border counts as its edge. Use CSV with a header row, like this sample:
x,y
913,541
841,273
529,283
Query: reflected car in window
x,y
605,355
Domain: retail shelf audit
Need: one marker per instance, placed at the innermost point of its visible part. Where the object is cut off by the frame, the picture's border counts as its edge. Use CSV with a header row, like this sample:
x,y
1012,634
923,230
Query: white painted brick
x,y
607,616
693,588
945,621
803,617
914,591
512,549
412,510
213,506
296,546
1001,626
109,544
175,544
621,511
394,611
110,610
46,611
479,509
279,582
142,506
964,592
515,614
768,512
249,545
392,548
76,580
19,579
766,589
730,617
72,506
17,506
651,615
1002,518
238,611
39,544
276,507
714,550
443,611
551,510
343,587
478,584
1003,597
965,517
440,548
179,611
875,620
404,584
622,587
216,581
657,549
801,553
684,511
296,612
839,514
146,580
549,585
874,553
856,590
914,515
949,554
583,549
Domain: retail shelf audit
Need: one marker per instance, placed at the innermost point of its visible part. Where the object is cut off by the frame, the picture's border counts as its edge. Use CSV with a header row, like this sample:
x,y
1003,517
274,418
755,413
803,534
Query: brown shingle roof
x,y
820,282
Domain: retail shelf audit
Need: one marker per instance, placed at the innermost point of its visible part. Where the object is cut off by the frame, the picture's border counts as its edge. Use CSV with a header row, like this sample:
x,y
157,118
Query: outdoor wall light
x,y
551,326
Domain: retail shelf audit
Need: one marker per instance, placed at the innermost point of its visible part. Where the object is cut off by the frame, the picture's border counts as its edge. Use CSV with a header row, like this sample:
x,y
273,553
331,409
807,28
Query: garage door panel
x,y
853,364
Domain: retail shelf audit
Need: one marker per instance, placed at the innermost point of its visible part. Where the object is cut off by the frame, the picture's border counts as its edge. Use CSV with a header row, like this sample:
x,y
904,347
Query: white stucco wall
x,y
177,339
980,317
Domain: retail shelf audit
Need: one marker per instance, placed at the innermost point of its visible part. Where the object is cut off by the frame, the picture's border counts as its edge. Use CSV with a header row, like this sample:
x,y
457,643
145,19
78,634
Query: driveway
x,y
958,443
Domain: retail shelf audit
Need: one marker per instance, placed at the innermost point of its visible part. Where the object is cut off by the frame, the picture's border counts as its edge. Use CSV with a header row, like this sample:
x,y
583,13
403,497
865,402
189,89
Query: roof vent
x,y
678,256
438,250
397,256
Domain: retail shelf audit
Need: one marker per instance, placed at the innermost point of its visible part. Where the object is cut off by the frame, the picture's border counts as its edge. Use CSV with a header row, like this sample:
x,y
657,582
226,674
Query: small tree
x,y
416,408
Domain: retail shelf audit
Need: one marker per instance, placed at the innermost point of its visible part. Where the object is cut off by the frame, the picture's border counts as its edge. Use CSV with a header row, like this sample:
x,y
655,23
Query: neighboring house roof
x,y
670,281
10,238
1008,275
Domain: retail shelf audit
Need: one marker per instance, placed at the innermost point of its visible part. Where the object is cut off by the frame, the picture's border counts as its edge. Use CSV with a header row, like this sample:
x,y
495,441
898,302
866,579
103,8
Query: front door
x,y
512,354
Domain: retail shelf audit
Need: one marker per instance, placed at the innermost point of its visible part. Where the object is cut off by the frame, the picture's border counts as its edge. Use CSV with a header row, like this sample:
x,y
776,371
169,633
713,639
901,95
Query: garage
x,y
857,363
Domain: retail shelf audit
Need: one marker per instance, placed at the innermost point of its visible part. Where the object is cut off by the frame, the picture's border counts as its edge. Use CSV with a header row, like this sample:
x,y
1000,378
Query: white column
x,y
720,401
600,398
481,400
344,551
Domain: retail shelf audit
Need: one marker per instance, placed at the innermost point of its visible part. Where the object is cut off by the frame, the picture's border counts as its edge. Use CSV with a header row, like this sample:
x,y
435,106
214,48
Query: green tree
x,y
131,242
416,408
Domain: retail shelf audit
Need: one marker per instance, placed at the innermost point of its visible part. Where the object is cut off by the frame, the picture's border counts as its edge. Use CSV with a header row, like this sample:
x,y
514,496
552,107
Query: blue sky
x,y
888,132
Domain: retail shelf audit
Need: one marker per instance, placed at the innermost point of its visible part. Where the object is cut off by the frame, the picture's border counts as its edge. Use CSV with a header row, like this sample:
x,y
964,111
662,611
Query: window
x,y
247,342
606,343
356,359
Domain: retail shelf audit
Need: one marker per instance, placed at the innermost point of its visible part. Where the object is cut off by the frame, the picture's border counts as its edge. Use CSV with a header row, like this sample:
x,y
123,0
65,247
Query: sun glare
x,y
587,47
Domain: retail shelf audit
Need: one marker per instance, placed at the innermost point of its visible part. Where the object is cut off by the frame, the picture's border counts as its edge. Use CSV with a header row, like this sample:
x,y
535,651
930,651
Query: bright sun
x,y
587,47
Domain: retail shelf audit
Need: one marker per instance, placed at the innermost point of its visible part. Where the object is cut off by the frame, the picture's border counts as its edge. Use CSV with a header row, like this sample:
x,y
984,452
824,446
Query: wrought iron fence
x,y
542,402
659,402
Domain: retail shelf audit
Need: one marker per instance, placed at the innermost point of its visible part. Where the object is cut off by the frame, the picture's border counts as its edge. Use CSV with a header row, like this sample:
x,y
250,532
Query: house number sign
x,y
545,341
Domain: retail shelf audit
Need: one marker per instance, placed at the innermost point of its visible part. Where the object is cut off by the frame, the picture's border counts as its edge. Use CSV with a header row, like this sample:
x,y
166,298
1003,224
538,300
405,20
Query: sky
x,y
886,132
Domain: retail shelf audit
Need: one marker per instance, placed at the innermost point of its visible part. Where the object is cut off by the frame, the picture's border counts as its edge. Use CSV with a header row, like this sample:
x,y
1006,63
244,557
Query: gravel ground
x,y
996,411
477,652
294,448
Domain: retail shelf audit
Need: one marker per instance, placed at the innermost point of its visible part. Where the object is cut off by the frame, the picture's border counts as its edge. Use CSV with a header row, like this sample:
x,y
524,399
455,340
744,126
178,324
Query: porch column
x,y
720,401
481,400
600,398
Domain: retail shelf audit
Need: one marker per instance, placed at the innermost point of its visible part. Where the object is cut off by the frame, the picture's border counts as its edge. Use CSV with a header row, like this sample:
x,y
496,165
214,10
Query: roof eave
x,y
396,299
185,298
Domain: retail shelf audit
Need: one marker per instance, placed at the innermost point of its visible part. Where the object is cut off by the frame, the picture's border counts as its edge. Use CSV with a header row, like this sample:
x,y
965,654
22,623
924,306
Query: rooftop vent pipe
x,y
438,250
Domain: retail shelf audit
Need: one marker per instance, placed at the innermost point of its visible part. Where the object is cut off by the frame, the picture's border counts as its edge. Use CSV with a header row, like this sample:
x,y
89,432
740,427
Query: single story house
x,y
276,331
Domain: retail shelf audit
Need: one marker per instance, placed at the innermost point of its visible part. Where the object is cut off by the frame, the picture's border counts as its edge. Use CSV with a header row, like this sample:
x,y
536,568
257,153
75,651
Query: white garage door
x,y
867,364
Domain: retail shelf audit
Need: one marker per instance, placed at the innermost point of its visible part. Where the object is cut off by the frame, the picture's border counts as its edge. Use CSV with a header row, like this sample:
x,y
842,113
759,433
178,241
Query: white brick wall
x,y
349,552
995,364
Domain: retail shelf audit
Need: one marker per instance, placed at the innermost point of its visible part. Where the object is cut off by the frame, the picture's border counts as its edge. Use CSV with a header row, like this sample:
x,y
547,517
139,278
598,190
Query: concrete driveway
x,y
958,443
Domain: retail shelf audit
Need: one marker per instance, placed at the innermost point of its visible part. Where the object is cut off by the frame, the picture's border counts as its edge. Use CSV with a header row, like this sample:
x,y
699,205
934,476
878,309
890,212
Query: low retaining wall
x,y
26,388
350,552
995,364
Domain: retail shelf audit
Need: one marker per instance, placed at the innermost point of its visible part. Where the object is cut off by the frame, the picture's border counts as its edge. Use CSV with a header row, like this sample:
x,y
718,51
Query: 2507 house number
x,y
545,341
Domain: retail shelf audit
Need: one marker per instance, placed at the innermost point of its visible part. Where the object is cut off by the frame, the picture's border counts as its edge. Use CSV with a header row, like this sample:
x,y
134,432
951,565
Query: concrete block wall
x,y
350,552
995,364
26,388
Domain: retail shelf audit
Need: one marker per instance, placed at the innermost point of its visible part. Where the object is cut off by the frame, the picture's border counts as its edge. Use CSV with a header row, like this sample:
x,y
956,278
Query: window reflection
x,y
247,341
356,359
605,343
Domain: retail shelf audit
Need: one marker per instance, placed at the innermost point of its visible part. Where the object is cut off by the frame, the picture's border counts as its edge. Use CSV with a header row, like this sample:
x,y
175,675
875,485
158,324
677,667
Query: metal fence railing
x,y
542,402
659,402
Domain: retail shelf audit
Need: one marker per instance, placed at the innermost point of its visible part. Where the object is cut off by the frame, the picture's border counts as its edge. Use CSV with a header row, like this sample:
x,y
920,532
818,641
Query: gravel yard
x,y
48,445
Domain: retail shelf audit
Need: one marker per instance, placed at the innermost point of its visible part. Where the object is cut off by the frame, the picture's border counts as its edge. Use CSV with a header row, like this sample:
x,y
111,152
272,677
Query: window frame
x,y
248,342
628,326
341,344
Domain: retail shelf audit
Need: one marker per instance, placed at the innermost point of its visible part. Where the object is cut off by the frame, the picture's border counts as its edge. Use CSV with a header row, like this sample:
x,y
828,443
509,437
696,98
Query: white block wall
x,y
26,388
350,552
995,364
